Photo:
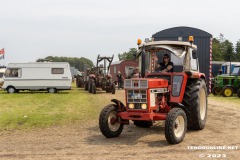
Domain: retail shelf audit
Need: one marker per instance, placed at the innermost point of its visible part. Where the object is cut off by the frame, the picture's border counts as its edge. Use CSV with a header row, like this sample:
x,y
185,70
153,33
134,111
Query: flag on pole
x,y
2,53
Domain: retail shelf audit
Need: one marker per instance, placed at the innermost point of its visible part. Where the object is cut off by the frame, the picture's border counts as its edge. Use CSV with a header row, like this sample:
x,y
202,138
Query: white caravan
x,y
2,71
50,76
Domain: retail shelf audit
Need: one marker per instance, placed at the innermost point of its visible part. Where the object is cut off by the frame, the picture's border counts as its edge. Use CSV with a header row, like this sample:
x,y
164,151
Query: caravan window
x,y
57,70
10,72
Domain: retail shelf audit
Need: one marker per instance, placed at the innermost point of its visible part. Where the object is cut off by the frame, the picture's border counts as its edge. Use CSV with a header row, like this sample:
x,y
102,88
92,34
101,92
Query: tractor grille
x,y
128,83
136,96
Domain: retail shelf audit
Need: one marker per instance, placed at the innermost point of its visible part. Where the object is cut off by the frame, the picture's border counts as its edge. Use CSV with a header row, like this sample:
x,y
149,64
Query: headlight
x,y
144,106
131,105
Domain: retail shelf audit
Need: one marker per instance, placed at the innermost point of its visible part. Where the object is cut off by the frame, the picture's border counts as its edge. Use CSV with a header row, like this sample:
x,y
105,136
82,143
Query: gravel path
x,y
84,141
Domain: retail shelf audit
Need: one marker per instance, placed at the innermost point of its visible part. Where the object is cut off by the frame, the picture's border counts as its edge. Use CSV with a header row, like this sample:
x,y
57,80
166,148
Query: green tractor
x,y
227,85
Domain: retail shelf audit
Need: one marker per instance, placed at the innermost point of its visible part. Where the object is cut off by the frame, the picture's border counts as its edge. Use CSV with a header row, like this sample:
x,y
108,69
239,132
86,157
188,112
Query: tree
x,y
73,61
237,49
127,55
228,53
216,51
222,49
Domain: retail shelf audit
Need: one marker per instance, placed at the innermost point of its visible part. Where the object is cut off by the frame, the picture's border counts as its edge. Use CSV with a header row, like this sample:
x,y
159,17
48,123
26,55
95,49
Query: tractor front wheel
x,y
143,124
227,91
217,91
109,122
175,126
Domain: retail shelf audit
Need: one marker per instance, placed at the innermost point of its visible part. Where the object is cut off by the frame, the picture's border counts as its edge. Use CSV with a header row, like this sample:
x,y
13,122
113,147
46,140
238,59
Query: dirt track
x,y
84,141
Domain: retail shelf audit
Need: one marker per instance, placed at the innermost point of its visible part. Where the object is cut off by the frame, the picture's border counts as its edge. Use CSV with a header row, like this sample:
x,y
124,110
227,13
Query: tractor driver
x,y
166,65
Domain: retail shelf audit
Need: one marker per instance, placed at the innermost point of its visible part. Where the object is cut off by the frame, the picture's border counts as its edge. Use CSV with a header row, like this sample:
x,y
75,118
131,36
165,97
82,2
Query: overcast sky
x,y
32,29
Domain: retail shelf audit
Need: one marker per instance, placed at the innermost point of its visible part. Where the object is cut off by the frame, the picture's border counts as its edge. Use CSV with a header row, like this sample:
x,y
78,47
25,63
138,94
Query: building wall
x,y
121,67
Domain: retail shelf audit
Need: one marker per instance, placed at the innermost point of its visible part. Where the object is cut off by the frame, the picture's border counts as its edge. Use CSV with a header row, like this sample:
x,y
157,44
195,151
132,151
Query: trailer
x,y
50,76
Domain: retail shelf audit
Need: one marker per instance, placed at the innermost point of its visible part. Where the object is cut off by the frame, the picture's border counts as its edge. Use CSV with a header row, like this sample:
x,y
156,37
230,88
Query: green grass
x,y
27,110
226,100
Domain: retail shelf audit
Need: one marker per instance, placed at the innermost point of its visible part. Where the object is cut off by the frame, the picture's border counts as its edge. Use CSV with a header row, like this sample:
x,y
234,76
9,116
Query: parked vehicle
x,y
50,76
227,85
179,98
99,77
2,71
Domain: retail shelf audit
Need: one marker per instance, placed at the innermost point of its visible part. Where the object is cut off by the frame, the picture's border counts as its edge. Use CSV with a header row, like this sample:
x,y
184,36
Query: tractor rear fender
x,y
120,105
197,75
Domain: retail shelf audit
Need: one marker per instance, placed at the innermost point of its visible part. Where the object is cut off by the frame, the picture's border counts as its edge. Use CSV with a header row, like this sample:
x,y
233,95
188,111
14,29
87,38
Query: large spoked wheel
x,y
52,90
109,122
238,93
11,90
175,126
217,90
227,91
113,88
195,102
94,89
143,124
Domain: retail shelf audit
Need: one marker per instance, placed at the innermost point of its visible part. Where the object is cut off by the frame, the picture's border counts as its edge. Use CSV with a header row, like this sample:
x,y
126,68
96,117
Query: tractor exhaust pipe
x,y
143,62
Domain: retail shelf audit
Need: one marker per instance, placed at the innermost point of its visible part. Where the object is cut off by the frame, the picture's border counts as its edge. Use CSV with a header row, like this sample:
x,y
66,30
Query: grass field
x,y
27,110
40,109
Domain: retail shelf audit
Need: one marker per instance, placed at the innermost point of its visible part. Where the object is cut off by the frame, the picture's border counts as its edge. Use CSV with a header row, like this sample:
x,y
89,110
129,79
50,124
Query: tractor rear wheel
x,y
175,126
195,101
227,91
90,87
109,122
238,93
217,90
94,89
113,88
86,86
143,124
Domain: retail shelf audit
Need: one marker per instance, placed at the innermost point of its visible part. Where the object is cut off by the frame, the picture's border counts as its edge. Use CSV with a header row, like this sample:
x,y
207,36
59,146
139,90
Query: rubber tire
x,y
86,86
103,122
217,90
11,90
238,93
52,90
143,124
94,89
113,88
191,101
223,91
90,87
170,125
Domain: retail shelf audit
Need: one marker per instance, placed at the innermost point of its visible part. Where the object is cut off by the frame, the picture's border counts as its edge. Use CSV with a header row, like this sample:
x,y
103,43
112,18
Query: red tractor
x,y
179,98
99,77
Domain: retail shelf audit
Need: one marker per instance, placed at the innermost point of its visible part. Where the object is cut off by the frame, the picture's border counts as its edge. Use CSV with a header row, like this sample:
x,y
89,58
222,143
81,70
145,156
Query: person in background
x,y
166,65
120,80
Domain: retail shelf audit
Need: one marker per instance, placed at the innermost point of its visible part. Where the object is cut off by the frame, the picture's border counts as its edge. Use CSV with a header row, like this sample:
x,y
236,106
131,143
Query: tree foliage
x,y
237,50
223,49
127,55
73,61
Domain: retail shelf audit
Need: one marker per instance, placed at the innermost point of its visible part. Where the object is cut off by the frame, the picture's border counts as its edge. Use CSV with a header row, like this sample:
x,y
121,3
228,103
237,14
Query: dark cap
x,y
166,55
